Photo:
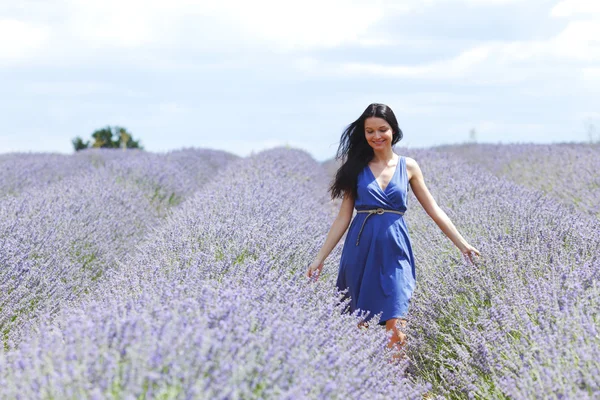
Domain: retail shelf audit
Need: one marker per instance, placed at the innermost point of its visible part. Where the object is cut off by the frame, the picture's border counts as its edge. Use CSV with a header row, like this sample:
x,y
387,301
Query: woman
x,y
377,265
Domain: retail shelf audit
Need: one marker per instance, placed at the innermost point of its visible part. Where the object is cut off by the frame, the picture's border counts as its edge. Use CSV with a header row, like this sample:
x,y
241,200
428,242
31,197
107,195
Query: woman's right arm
x,y
339,226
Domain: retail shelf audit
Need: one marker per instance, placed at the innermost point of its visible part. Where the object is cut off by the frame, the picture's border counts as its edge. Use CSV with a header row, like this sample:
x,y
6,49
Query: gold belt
x,y
371,212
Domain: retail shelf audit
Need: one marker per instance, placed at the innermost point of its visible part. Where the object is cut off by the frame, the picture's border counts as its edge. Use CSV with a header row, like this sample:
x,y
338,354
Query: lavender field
x,y
133,275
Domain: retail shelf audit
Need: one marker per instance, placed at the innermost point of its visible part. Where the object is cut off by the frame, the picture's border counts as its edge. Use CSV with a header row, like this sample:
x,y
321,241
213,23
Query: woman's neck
x,y
383,156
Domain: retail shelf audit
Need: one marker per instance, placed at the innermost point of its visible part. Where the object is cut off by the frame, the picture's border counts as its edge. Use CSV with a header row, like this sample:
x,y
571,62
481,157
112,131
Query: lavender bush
x,y
170,177
24,170
57,239
173,175
566,171
208,299
206,311
523,323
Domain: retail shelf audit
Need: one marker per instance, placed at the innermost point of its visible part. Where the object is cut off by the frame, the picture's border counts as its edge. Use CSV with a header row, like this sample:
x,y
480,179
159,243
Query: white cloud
x,y
172,108
498,62
19,39
568,8
592,73
112,23
495,2
494,62
81,29
452,68
75,32
306,24
76,88
579,40
235,42
480,63
591,78
282,25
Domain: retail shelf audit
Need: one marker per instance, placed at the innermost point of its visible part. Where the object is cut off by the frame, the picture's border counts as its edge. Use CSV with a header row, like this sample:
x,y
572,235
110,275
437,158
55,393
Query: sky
x,y
244,76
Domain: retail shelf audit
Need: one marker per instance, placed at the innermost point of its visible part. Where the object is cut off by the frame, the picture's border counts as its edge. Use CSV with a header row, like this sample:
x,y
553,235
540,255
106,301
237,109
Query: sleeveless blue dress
x,y
379,272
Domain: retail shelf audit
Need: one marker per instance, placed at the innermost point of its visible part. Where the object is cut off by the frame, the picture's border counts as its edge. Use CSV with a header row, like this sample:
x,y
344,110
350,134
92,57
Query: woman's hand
x,y
314,269
468,251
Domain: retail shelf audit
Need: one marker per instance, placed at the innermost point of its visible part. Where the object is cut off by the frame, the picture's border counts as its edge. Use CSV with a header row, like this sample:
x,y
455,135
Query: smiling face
x,y
378,133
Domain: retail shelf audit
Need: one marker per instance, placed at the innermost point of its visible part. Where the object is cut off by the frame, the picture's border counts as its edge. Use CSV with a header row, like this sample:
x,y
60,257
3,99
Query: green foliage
x,y
108,137
79,144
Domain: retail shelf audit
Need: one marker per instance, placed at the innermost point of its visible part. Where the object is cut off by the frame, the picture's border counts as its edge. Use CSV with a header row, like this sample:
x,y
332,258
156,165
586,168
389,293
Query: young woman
x,y
377,264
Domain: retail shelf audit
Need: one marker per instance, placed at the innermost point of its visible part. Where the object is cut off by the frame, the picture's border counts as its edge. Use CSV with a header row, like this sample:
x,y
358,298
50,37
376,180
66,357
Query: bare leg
x,y
398,338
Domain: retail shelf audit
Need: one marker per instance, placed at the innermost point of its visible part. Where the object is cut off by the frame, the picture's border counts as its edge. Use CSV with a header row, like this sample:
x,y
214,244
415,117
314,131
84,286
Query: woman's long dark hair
x,y
355,152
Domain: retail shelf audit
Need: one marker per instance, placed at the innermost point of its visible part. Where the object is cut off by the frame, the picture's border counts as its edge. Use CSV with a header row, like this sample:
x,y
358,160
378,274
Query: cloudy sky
x,y
243,75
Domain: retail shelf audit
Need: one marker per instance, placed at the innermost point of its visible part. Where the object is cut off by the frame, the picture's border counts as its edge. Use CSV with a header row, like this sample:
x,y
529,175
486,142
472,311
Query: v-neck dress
x,y
379,272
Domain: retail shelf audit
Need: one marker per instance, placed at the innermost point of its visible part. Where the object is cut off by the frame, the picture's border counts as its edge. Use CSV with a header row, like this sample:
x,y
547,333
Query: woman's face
x,y
378,133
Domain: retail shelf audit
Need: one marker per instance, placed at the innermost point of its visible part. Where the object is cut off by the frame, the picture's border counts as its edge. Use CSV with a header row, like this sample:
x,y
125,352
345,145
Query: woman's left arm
x,y
417,183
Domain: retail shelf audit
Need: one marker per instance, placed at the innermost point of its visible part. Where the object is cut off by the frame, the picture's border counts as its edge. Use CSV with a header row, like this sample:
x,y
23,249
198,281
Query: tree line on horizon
x,y
108,137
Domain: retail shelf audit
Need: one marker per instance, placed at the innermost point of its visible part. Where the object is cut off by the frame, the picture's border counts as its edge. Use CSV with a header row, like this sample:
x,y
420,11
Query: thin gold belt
x,y
371,212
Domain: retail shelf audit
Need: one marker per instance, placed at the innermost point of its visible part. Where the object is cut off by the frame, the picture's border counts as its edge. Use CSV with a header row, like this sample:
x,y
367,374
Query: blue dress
x,y
380,271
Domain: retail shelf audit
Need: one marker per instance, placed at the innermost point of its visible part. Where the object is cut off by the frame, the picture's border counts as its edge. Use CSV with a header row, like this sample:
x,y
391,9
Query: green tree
x,y
124,139
109,137
103,138
79,144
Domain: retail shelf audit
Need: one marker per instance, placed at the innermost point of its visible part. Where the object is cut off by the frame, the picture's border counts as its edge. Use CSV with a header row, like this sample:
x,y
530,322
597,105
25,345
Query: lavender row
x,y
28,170
57,239
523,322
170,177
215,304
522,325
277,205
567,171
173,175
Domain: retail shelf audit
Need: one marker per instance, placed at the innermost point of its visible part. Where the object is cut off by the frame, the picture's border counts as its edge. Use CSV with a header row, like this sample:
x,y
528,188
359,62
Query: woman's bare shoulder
x,y
410,161
411,166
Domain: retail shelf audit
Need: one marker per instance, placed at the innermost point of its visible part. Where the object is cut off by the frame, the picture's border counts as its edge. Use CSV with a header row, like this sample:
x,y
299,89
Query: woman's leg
x,y
392,324
398,338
